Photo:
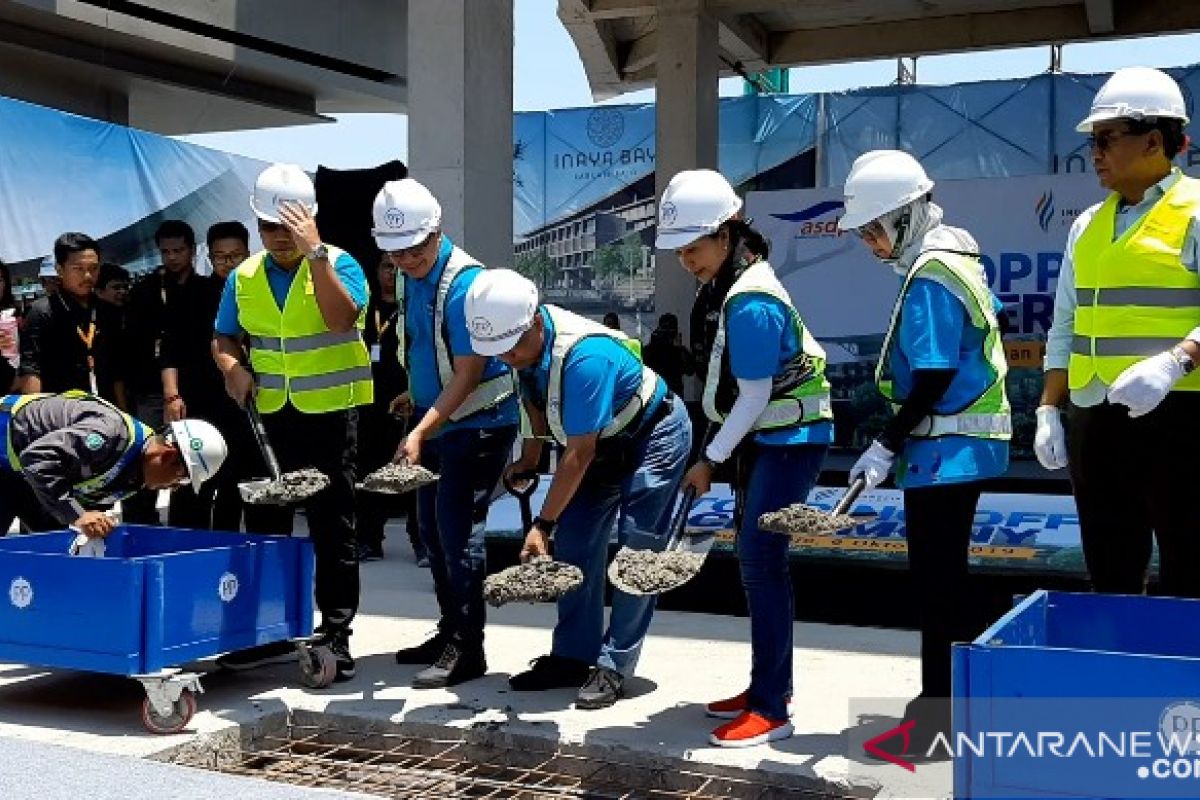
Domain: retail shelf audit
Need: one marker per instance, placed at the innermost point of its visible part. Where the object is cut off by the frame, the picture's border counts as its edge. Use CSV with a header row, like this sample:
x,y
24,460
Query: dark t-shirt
x,y
187,341
53,345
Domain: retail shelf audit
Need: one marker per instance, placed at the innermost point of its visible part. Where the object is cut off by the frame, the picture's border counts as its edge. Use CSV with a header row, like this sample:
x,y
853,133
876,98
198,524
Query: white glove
x,y
873,465
1050,441
1144,385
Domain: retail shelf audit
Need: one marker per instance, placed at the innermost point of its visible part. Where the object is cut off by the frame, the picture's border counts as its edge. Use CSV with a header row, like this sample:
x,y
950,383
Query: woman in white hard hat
x,y
626,440
765,386
1124,343
942,366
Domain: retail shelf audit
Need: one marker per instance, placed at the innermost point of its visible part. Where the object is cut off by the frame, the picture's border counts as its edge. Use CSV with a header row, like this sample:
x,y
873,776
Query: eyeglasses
x,y
1105,140
232,258
414,251
118,287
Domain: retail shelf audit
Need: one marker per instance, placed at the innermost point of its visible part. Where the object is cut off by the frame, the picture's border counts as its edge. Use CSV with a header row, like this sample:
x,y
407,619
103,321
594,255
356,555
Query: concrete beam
x,y
1099,15
621,9
596,45
642,54
745,38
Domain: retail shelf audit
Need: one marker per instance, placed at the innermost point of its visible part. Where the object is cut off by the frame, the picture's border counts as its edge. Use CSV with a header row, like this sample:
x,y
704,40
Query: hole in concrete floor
x,y
410,767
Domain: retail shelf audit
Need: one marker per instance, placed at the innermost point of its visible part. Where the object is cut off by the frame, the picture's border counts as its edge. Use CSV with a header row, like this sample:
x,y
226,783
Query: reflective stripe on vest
x,y
294,355
569,330
799,393
988,415
491,391
1135,296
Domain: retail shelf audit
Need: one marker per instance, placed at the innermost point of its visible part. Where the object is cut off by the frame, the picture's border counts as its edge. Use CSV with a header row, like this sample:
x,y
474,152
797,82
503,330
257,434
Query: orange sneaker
x,y
751,729
733,707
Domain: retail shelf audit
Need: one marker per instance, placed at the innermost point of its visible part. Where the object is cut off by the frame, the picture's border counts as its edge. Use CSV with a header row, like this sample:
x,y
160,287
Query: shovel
x,y
801,519
647,572
279,489
540,579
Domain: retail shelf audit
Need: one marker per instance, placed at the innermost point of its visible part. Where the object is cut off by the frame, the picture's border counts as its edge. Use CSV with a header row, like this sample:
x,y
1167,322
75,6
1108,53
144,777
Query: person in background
x,y
112,284
612,320
666,355
9,330
48,276
228,245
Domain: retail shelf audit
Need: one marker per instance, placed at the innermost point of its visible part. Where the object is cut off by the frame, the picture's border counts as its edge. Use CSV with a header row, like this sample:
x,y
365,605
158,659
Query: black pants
x,y
1133,481
938,523
327,442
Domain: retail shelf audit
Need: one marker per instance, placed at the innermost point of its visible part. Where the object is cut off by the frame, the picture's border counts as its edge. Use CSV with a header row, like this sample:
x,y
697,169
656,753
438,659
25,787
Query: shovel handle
x,y
523,495
679,522
260,433
850,496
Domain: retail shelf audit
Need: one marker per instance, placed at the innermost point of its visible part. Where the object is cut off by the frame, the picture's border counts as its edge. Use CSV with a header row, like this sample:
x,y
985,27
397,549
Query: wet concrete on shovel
x,y
292,487
540,580
397,479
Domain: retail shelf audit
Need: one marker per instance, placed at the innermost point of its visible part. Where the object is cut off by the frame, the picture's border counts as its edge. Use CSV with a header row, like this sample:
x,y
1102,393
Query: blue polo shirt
x,y
280,280
936,333
600,376
761,341
425,383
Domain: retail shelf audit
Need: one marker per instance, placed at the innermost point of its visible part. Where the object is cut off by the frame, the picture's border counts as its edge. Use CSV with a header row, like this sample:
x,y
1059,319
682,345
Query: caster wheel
x,y
181,714
318,667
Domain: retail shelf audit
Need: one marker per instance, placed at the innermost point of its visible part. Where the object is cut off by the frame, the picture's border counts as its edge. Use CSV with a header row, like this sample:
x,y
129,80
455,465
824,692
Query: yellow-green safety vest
x,y
1135,296
799,392
987,416
294,355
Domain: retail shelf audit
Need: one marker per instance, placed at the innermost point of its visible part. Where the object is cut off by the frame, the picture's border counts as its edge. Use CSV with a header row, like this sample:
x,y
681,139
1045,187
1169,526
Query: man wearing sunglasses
x,y
1125,339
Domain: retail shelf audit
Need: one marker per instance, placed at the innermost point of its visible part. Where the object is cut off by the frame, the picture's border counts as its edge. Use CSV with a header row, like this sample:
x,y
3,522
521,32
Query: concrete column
x,y
687,121
460,106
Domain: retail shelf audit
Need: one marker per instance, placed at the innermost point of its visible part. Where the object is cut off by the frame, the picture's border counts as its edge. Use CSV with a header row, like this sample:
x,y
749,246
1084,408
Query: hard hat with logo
x,y
695,204
278,184
202,448
501,305
881,181
48,269
405,213
1136,93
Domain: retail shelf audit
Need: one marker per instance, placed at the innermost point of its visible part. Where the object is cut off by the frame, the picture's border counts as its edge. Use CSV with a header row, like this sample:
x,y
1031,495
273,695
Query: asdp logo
x,y
1044,208
818,221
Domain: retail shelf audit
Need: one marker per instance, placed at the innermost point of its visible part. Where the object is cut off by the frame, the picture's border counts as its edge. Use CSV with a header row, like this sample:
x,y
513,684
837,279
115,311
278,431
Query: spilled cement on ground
x,y
804,519
292,487
650,572
397,479
539,580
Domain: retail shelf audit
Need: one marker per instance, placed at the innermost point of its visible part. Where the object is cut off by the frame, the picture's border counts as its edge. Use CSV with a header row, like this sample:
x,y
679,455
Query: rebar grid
x,y
407,767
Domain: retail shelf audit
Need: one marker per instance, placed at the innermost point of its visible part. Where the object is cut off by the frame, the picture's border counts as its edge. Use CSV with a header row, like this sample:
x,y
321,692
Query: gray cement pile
x,y
540,580
802,519
397,479
292,487
648,572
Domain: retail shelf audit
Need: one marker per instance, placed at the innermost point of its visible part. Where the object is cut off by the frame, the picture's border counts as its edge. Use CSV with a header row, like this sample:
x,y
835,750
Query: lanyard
x,y
88,340
381,325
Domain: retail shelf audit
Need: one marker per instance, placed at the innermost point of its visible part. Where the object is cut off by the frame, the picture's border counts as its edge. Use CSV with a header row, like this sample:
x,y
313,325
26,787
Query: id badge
x,y
376,354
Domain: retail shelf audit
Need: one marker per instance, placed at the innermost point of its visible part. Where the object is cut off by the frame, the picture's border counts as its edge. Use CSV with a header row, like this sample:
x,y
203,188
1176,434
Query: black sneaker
x,y
455,665
550,672
603,688
259,656
338,643
425,653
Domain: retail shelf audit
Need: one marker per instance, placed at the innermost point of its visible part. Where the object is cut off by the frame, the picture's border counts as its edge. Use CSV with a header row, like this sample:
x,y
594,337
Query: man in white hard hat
x,y
942,367
1125,341
466,410
300,304
627,440
71,454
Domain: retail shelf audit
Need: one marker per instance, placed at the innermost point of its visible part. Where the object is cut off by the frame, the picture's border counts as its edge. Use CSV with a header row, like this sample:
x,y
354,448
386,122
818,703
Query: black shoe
x,y
603,688
455,665
338,642
425,653
370,552
550,672
259,656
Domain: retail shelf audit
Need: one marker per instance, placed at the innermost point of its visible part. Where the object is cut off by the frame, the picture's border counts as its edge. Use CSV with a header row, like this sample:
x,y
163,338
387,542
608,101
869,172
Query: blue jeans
x,y
452,516
645,501
781,475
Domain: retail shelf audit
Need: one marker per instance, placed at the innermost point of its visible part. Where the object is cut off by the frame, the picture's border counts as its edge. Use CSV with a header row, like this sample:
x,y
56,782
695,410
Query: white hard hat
x,y
202,447
405,213
695,204
278,184
48,269
881,181
1136,93
501,305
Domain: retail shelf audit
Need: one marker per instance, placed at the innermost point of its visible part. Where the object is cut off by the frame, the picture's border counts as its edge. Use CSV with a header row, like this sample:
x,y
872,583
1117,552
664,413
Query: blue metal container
x,y
1116,677
159,597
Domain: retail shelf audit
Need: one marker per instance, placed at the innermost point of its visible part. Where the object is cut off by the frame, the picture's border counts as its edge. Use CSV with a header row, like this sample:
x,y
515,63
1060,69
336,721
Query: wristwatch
x,y
319,252
544,525
1185,361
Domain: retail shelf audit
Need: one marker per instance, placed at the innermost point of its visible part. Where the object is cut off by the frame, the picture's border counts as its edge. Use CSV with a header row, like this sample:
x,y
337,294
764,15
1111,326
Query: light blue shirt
x,y
1062,329
425,383
280,280
936,333
600,375
761,341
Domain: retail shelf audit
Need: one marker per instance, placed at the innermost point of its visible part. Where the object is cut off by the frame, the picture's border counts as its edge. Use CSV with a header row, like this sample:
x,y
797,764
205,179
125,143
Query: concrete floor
x,y
844,679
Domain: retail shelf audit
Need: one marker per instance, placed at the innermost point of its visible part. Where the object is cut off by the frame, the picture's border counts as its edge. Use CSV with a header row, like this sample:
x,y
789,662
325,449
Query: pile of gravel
x,y
292,487
803,519
538,581
397,479
648,572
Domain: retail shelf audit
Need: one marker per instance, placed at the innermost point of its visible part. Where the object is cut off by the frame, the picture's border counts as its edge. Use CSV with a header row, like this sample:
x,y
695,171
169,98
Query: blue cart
x,y
157,597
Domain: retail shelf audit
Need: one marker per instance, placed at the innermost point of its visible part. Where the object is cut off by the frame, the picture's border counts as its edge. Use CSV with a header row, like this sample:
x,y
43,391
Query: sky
x,y
543,48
